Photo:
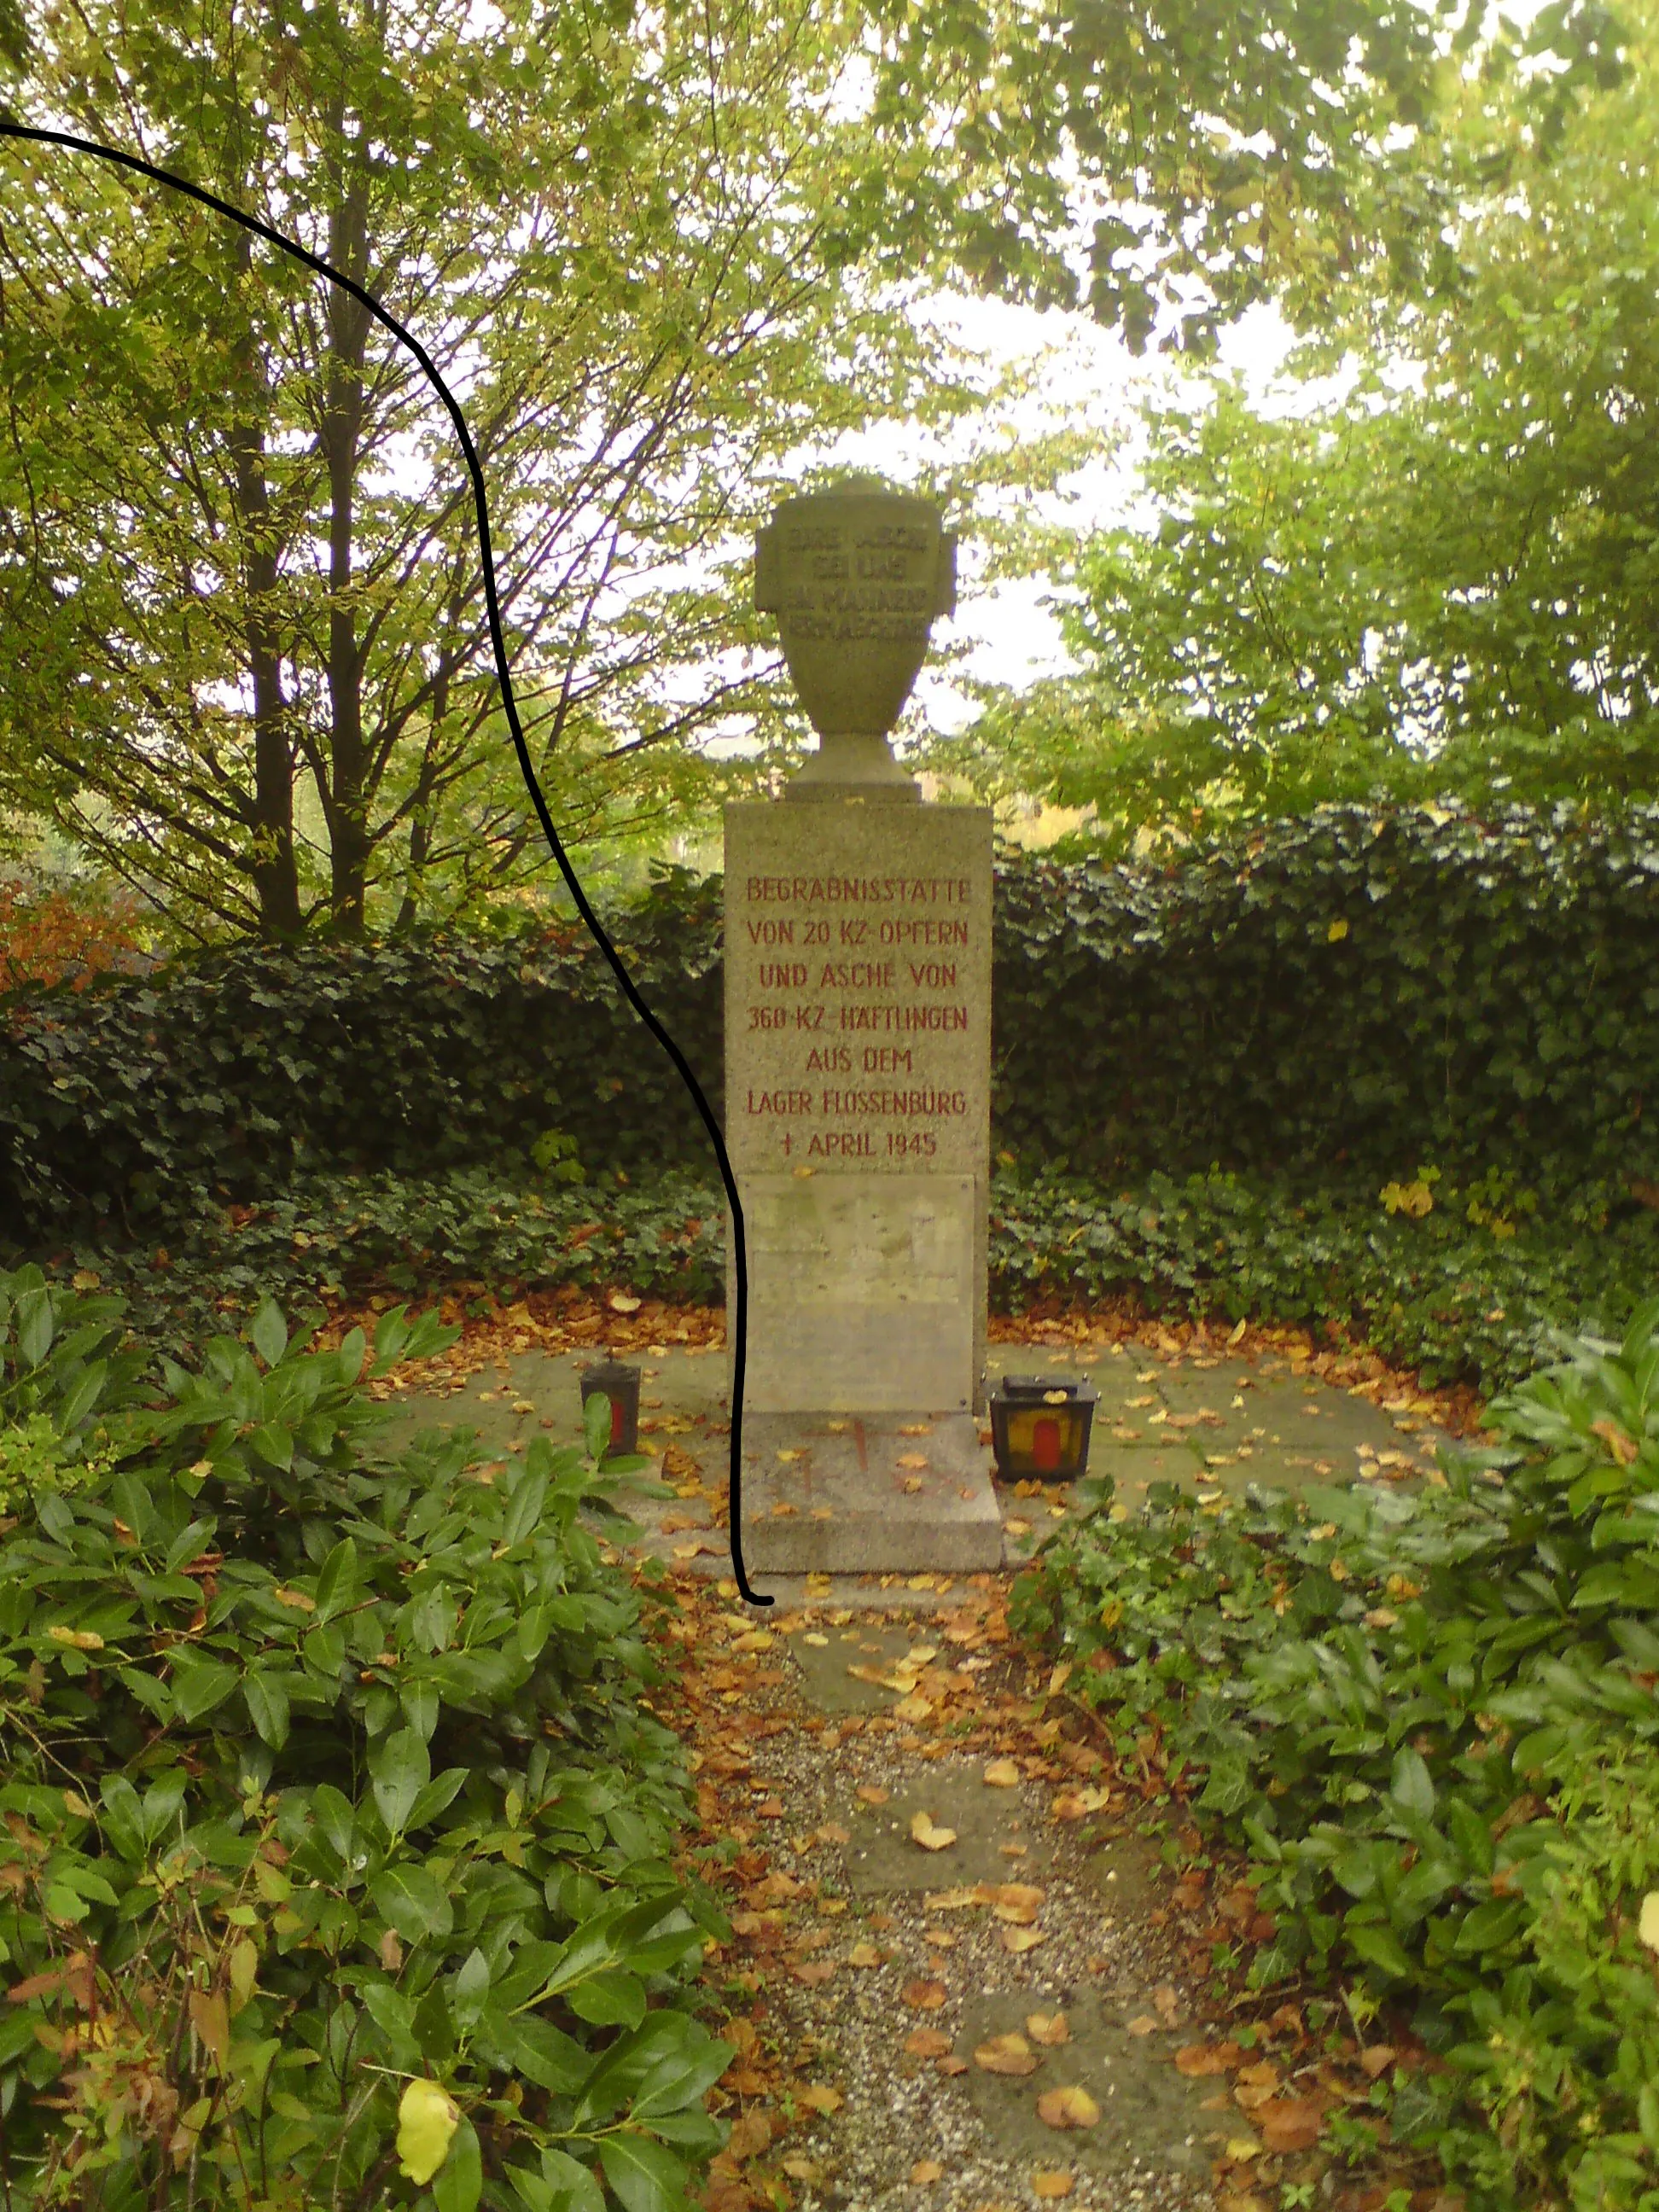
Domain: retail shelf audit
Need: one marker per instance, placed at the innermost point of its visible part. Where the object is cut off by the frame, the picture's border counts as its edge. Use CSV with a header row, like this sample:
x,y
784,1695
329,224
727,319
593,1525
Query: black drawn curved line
x,y
738,1330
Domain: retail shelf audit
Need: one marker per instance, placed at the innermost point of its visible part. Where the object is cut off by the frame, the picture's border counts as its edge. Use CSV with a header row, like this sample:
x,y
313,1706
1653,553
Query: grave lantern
x,y
615,1380
1040,1427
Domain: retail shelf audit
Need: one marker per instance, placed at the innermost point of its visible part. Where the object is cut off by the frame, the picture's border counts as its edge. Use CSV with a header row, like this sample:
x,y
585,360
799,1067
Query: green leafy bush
x,y
1429,1720
1477,1299
1482,1298
325,1773
1361,989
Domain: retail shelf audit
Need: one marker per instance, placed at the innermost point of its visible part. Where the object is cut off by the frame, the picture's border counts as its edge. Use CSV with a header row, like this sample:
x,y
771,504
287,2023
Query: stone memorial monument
x,y
858,1067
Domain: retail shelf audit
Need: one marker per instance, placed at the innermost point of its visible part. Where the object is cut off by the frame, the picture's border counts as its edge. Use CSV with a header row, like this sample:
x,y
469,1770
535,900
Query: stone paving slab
x,y
1147,2109
1214,1423
862,1494
1125,1872
995,1841
827,1656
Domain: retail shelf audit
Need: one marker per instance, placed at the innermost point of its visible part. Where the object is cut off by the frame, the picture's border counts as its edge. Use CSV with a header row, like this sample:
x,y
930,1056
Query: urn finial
x,y
856,575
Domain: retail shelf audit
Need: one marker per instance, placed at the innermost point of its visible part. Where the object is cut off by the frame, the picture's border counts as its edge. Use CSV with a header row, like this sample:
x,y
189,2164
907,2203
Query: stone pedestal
x,y
857,1059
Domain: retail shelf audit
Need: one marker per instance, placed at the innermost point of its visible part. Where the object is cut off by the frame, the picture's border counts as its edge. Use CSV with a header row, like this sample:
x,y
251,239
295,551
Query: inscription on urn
x,y
856,576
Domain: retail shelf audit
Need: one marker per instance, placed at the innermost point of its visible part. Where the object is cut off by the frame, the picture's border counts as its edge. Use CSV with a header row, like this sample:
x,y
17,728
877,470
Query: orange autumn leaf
x,y
1002,1774
1292,2124
926,2043
1049,2028
1194,2059
927,2170
1051,2183
1623,1447
923,1996
818,2097
751,2135
871,1792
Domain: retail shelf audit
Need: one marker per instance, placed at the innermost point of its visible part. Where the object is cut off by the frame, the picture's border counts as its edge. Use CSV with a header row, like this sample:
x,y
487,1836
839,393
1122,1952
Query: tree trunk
x,y
347,801
275,877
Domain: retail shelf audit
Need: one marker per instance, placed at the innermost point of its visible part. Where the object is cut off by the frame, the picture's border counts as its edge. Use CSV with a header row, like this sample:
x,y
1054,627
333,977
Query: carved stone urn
x,y
856,576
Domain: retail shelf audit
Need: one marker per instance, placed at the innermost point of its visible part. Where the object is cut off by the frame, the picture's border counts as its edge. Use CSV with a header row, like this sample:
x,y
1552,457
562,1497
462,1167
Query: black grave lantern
x,y
1040,1427
615,1380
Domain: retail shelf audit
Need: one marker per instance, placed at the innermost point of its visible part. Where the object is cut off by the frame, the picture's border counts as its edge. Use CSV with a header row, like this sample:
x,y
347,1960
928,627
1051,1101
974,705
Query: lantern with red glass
x,y
1040,1427
615,1380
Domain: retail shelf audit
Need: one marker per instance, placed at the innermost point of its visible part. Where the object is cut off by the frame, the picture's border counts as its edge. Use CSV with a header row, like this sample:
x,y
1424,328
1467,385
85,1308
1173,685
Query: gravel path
x,y
876,1980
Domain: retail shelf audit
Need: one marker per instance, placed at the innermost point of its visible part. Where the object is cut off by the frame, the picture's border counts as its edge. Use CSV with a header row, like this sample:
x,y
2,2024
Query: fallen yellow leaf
x,y
931,1839
1048,2027
1006,2054
817,2097
913,1458
870,1793
1051,2184
1002,1774
927,2170
1067,2108
1020,1939
913,1708
924,1996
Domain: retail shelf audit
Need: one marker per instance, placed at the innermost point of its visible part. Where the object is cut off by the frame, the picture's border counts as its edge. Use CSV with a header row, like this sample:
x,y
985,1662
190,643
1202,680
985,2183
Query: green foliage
x,y
1473,1296
1441,1292
1369,987
1364,989
227,1076
278,744
325,1772
1439,581
1430,1720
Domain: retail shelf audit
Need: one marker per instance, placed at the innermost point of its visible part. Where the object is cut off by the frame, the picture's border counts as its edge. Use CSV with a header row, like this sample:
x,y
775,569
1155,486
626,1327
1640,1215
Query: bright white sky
x,y
1092,381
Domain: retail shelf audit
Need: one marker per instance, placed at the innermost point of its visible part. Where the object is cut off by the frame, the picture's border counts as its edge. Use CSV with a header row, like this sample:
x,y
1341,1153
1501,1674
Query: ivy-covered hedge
x,y
1362,989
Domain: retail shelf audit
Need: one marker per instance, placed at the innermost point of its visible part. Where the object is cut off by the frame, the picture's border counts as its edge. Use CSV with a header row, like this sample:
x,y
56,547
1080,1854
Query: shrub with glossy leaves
x,y
323,1774
1430,1721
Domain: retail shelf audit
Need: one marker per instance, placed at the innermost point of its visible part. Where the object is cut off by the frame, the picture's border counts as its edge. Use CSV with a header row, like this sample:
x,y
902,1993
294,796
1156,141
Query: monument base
x,y
854,1493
